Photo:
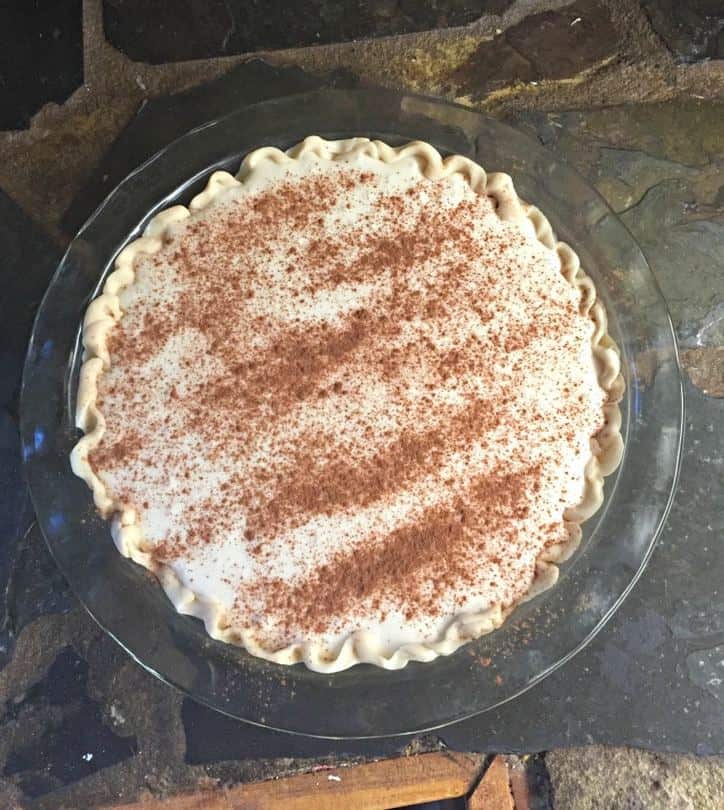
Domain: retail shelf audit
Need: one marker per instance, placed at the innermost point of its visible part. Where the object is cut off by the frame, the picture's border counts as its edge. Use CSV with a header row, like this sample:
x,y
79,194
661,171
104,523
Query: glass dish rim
x,y
162,203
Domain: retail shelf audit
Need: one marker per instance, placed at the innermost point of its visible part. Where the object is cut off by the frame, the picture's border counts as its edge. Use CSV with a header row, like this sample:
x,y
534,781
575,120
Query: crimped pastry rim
x,y
104,312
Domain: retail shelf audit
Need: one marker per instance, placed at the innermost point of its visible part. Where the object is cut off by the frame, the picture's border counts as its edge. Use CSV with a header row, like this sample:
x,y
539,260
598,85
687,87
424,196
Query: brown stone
x,y
556,44
705,367
167,31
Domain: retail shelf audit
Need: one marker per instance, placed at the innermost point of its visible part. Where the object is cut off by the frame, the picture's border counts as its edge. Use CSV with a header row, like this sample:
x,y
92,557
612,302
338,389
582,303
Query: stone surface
x,y
706,670
41,59
36,587
194,29
64,150
15,515
45,166
705,367
557,44
626,779
73,745
692,29
659,167
211,738
162,120
168,32
82,729
27,260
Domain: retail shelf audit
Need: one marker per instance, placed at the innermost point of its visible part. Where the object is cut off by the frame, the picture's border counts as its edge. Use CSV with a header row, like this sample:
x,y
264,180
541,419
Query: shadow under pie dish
x,y
349,406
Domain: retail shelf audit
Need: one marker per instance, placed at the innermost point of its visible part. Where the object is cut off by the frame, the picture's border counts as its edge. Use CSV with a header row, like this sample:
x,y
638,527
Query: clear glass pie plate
x,y
363,701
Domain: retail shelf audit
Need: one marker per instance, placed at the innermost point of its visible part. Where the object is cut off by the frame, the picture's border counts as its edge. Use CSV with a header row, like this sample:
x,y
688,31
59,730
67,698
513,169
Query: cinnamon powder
x,y
276,374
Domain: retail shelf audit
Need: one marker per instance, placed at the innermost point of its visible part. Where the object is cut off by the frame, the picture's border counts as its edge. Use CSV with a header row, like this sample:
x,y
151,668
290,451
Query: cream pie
x,y
351,405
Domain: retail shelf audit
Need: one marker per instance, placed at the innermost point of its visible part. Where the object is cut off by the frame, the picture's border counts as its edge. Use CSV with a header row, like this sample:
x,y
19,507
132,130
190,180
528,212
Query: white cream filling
x,y
205,580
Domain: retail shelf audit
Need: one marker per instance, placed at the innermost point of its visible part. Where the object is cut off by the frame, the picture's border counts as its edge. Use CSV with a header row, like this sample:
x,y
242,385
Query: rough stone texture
x,y
193,29
168,32
659,166
597,778
706,670
27,261
35,587
58,153
691,29
557,44
45,166
51,32
129,710
136,739
75,743
705,367
163,119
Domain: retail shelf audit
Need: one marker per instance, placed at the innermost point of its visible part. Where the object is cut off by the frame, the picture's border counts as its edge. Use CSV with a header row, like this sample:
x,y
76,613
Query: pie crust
x,y
105,313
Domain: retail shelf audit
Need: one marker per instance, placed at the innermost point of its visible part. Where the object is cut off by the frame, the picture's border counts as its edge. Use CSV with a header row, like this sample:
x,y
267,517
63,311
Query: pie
x,y
351,405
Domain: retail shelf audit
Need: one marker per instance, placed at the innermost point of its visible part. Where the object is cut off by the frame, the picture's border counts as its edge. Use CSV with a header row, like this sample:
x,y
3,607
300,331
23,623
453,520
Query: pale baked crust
x,y
105,311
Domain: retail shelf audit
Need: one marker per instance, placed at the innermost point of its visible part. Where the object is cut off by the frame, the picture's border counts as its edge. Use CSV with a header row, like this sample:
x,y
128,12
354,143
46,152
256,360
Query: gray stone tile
x,y
626,779
692,29
660,167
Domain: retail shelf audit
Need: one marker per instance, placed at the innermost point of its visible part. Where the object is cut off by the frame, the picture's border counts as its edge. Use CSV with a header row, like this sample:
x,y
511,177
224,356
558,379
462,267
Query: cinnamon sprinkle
x,y
413,565
279,369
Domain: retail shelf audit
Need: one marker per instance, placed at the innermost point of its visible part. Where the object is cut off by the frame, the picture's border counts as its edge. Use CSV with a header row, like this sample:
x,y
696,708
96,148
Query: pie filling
x,y
349,406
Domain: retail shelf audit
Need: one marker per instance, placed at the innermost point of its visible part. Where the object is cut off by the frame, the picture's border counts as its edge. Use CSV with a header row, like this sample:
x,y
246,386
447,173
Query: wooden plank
x,y
493,791
372,786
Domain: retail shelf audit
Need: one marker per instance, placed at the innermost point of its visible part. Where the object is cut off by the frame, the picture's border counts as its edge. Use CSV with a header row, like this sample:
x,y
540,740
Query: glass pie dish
x,y
364,701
